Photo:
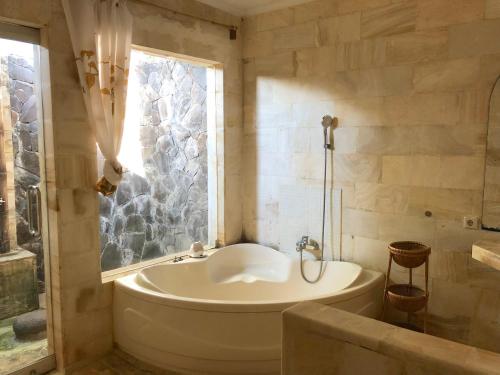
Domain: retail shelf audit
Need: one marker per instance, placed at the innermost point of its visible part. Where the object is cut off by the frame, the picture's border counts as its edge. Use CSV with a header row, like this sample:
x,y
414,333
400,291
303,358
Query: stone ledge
x,y
487,252
15,255
375,344
18,283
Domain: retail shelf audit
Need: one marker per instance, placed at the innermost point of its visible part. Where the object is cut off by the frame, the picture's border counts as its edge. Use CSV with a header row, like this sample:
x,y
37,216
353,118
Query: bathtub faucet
x,y
302,243
311,246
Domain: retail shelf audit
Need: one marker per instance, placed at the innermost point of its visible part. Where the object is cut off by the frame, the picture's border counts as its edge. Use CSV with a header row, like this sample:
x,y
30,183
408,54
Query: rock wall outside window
x,y
25,125
167,209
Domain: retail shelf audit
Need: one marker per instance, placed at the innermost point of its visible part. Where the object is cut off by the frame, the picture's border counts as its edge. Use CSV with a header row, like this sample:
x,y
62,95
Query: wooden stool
x,y
407,297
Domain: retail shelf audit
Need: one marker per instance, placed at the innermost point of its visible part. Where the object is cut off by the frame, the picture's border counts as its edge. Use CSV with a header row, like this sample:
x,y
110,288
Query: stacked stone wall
x,y
165,210
25,127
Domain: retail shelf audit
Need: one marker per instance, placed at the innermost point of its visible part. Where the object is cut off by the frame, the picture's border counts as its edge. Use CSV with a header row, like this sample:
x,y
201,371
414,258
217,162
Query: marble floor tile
x,y
119,363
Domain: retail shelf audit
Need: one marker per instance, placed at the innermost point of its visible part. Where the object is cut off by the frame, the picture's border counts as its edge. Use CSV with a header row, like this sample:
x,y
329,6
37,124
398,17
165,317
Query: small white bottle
x,y
196,250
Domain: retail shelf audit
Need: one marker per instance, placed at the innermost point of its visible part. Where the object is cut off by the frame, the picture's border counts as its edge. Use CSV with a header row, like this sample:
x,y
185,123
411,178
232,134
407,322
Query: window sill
x,y
110,276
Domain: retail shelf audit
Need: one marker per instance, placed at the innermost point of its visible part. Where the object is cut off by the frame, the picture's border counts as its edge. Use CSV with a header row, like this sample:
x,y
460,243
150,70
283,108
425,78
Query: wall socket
x,y
471,222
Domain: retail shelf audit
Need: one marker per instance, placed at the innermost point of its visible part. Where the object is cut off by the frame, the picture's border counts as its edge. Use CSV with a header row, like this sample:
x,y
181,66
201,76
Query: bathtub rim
x,y
367,280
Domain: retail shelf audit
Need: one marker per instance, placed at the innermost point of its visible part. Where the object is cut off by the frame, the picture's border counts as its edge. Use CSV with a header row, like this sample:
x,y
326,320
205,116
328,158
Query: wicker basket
x,y
409,254
406,298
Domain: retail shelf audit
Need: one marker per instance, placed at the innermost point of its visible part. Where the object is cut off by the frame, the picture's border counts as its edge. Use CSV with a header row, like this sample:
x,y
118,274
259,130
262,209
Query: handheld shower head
x,y
327,121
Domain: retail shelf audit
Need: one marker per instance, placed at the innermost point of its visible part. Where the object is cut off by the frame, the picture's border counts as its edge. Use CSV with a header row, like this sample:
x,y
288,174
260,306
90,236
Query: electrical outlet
x,y
471,222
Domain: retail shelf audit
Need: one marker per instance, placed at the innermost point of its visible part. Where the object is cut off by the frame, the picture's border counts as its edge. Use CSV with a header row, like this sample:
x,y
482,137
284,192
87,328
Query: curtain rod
x,y
232,28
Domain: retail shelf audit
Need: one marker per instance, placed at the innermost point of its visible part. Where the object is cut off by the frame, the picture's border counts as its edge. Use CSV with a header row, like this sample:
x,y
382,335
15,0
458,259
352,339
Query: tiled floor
x,y
119,363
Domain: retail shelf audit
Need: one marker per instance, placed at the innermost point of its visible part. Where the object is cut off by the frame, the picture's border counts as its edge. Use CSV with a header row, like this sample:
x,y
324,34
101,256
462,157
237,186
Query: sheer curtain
x,y
101,34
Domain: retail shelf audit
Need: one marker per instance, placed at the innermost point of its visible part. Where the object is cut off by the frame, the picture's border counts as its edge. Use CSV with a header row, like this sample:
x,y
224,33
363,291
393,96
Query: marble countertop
x,y
487,252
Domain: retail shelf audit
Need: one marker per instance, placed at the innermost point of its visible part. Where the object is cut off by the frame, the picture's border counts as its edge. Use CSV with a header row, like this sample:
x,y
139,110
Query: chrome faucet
x,y
309,245
302,243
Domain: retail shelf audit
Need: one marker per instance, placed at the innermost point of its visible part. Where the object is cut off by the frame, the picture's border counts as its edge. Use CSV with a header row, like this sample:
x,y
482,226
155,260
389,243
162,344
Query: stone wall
x,y
322,340
409,82
23,103
167,209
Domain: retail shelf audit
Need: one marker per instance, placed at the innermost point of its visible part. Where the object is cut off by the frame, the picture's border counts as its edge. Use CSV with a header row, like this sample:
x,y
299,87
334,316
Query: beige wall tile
x,y
448,204
366,53
371,253
490,68
474,106
356,167
339,29
384,140
449,140
346,84
433,13
315,62
297,36
360,223
462,172
492,9
258,44
449,266
411,170
350,6
382,198
474,39
361,112
314,10
276,65
419,109
345,140
417,47
422,109
451,74
395,80
291,140
274,20
309,113
414,228
452,236
493,175
86,230
391,19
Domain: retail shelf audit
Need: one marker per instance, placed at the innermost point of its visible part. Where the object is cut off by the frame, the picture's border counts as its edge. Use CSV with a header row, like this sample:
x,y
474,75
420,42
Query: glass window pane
x,y
161,205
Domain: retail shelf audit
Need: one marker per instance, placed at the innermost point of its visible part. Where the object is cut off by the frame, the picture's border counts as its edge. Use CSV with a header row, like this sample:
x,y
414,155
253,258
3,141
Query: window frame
x,y
215,141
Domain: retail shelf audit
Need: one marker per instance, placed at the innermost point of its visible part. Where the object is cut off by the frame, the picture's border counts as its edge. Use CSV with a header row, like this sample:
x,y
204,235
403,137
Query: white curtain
x,y
101,34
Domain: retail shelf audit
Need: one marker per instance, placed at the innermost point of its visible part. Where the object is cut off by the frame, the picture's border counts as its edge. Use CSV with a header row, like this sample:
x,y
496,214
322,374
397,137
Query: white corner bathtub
x,y
222,314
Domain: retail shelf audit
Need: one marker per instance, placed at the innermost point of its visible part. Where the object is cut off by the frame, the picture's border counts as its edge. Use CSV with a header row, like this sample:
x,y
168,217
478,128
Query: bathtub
x,y
222,314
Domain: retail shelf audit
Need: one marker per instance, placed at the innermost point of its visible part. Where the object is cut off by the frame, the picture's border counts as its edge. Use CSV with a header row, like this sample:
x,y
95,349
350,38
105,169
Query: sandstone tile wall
x,y
321,340
409,82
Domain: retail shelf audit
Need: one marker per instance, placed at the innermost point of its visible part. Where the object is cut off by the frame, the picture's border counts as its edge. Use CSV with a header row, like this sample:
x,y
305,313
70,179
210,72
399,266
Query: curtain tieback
x,y
108,183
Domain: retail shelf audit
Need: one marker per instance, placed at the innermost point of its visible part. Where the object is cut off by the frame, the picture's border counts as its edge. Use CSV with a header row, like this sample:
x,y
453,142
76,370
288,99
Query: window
x,y
162,204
